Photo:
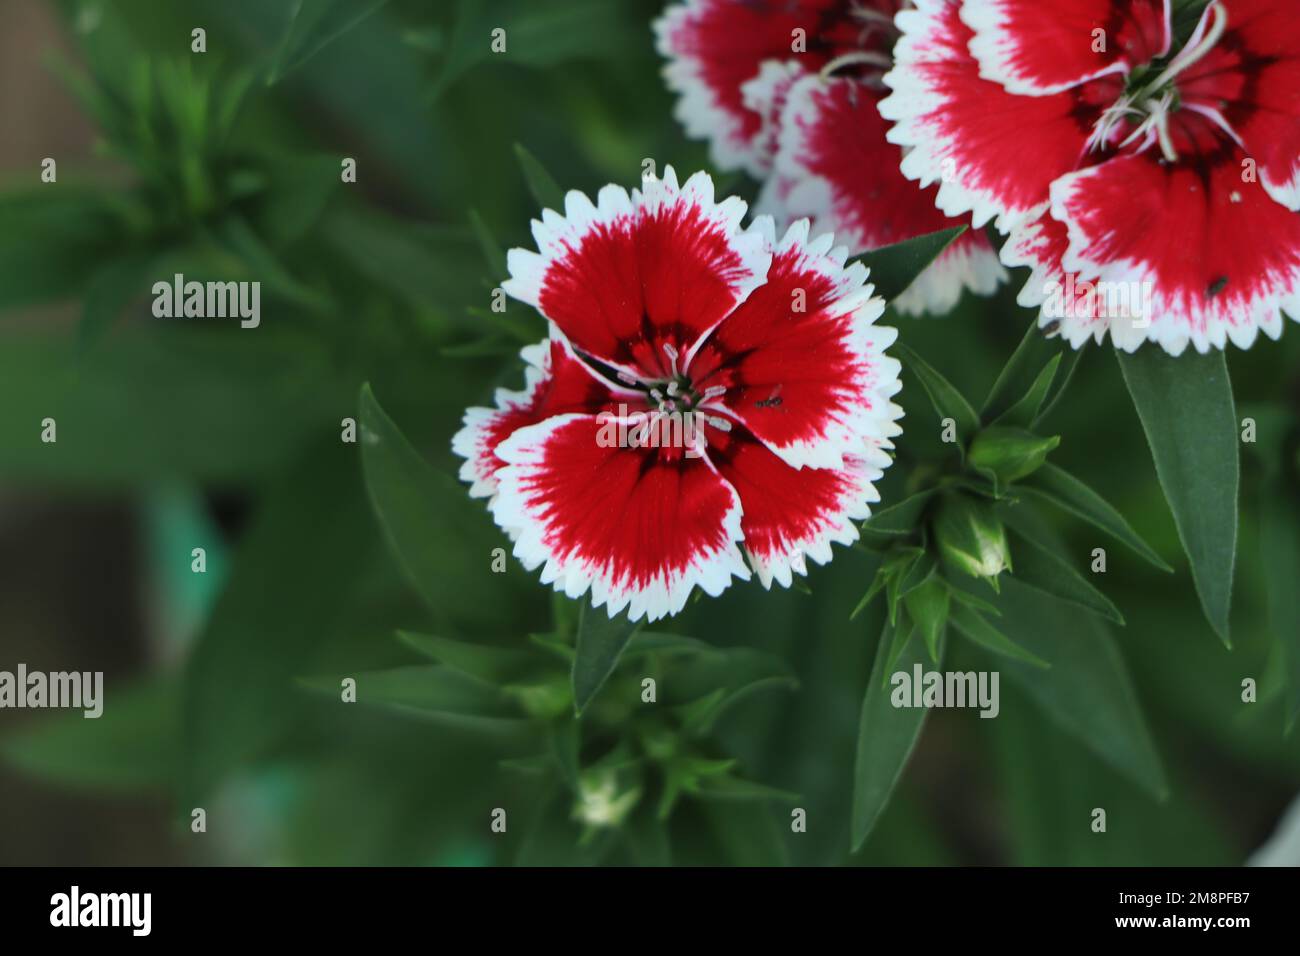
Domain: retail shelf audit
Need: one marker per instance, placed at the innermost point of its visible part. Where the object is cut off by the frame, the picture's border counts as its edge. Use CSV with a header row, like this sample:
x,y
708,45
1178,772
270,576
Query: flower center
x,y
676,394
863,34
1152,97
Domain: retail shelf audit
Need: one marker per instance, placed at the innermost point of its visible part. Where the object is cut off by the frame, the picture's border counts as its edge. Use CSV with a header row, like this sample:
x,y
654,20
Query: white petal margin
x,y
876,374
839,527
712,570
806,193
995,43
927,158
767,95
481,465
1028,247
963,265
555,235
698,109
1285,192
1170,320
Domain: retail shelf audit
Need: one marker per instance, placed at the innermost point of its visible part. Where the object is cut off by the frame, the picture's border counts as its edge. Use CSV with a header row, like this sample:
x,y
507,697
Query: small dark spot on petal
x,y
1217,286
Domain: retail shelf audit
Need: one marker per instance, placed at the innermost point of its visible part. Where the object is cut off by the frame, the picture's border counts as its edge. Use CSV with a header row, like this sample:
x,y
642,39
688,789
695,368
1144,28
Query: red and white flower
x,y
1151,183
661,305
787,90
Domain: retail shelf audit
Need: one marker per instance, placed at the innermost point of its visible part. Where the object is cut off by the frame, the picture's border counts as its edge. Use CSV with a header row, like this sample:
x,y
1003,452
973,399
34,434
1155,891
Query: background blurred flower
x,y
788,92
1171,180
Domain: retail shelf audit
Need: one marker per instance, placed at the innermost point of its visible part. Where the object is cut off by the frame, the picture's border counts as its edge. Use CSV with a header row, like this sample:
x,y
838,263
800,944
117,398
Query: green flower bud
x,y
971,539
600,803
1010,453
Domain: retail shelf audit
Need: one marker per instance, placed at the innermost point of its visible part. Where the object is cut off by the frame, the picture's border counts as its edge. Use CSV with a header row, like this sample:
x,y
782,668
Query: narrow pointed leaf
x,y
1280,543
1025,411
600,644
886,737
894,268
496,665
1041,569
987,636
1057,486
429,525
313,25
927,605
1021,373
1087,691
1059,386
545,191
947,401
1187,412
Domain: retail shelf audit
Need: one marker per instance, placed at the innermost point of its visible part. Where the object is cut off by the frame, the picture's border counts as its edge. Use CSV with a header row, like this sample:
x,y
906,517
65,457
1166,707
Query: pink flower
x,y
1151,185
788,91
661,306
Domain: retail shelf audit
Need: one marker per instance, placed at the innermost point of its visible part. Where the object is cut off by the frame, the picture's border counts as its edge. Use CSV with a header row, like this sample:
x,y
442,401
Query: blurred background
x,y
177,434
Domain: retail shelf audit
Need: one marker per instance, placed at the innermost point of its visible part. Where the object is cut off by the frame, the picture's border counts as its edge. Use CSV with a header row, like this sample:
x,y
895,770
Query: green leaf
x,y
543,187
600,644
564,739
430,524
927,605
947,401
492,251
1041,569
1059,386
1024,412
902,518
976,629
886,737
1087,691
496,665
700,716
894,268
1187,412
314,25
134,744
294,575
436,694
1058,487
1009,454
1021,375
727,787
1279,521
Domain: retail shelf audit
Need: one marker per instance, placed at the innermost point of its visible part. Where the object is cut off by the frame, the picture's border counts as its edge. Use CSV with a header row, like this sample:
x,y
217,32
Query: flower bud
x,y
1010,453
600,803
971,539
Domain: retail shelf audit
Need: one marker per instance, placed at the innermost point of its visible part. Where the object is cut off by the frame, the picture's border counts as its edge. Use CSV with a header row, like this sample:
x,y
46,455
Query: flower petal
x,y
640,527
969,264
555,382
1041,245
626,277
1222,258
1038,47
792,514
994,154
1252,77
803,365
846,178
713,48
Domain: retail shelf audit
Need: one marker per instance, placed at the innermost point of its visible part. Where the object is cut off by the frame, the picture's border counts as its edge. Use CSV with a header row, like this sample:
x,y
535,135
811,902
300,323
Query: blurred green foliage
x,y
227,165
